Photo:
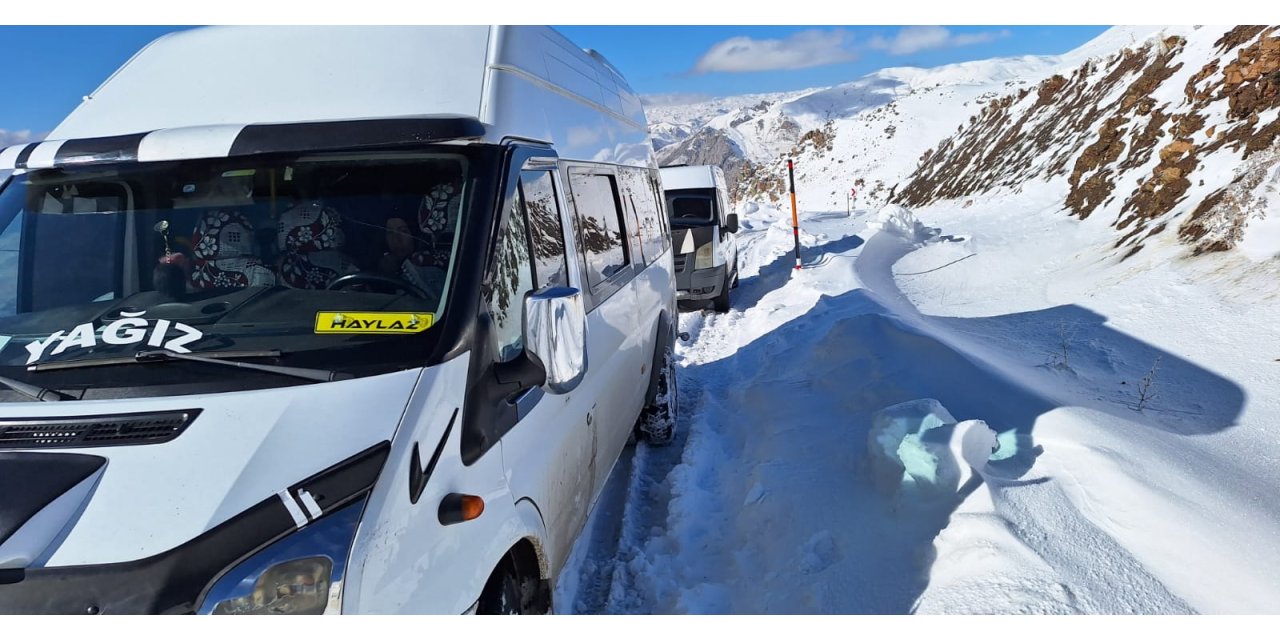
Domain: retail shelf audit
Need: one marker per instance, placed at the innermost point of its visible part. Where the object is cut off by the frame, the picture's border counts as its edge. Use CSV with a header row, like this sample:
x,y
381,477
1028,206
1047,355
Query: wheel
x,y
721,302
657,422
376,281
507,593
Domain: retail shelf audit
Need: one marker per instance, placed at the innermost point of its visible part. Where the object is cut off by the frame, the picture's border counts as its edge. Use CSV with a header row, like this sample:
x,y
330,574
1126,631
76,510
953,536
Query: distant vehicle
x,y
316,352
703,233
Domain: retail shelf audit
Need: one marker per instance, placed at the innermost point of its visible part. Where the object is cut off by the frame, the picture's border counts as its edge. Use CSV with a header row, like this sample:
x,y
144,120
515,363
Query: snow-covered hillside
x,y
1175,133
856,124
977,405
1162,130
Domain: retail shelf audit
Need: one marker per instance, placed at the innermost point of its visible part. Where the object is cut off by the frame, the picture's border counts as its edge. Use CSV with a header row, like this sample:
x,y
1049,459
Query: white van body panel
x,y
562,457
403,559
243,448
541,87
550,458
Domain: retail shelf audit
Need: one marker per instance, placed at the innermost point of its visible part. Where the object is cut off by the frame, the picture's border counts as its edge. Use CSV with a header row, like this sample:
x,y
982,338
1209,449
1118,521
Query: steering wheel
x,y
367,279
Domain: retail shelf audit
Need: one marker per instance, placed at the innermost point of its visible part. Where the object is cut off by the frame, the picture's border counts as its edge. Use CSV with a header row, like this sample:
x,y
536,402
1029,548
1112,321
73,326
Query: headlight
x,y
300,574
705,258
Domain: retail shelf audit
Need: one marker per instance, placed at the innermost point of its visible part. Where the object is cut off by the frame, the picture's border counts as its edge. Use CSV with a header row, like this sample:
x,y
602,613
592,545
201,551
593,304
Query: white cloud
x,y
672,99
812,48
913,39
8,137
965,39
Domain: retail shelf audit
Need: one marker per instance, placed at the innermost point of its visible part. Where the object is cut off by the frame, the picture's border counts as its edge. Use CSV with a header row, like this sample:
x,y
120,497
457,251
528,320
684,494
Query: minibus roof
x,y
194,93
697,177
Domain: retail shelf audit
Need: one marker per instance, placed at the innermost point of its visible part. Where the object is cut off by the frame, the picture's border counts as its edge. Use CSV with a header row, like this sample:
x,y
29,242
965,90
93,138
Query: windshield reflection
x,y
251,253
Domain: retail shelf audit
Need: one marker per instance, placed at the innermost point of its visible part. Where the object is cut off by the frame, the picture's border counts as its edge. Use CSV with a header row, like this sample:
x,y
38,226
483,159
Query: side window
x,y
60,278
512,279
647,211
663,223
633,225
545,229
723,205
599,218
10,243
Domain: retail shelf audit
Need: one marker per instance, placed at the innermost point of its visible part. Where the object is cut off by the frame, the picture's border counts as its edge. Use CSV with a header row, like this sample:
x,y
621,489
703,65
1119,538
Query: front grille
x,y
680,260
94,431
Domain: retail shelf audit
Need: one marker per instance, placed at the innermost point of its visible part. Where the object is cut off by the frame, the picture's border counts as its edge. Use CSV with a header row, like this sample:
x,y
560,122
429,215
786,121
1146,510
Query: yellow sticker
x,y
372,322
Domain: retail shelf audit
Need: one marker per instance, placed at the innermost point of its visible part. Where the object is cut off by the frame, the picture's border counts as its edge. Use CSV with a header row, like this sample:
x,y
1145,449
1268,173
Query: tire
x,y
658,420
507,593
735,272
721,302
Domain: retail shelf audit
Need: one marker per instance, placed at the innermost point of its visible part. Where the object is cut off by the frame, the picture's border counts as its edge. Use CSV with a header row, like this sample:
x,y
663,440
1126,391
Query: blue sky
x,y
731,60
69,62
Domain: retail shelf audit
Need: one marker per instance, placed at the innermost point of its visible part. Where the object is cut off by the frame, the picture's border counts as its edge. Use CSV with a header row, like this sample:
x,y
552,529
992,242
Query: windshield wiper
x,y
213,357
32,391
320,375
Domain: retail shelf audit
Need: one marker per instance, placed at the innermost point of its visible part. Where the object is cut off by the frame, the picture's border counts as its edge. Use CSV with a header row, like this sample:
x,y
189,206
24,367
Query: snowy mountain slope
x,y
856,123
1160,129
727,132
1176,133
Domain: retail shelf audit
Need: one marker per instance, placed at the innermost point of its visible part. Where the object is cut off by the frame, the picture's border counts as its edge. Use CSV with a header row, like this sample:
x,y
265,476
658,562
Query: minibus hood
x,y
70,497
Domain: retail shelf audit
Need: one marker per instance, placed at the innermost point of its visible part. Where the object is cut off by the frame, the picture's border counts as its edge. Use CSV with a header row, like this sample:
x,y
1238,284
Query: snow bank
x,y
900,221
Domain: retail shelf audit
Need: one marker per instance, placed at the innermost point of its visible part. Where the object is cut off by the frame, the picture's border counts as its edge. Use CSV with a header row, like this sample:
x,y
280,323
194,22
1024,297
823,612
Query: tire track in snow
x,y
633,508
613,560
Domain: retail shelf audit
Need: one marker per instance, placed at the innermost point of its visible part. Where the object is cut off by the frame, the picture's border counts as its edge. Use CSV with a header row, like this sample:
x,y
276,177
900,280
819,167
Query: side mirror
x,y
555,336
731,223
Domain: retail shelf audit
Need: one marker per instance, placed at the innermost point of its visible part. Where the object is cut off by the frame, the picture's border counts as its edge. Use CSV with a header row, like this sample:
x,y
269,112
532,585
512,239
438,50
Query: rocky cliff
x,y
1177,133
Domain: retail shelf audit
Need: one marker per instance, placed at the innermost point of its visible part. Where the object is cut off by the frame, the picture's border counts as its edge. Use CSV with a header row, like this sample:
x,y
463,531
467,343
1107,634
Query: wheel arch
x,y
531,542
663,337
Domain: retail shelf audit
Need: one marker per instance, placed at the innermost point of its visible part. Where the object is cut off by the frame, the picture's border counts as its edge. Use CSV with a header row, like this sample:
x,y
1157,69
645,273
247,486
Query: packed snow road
x,y
835,454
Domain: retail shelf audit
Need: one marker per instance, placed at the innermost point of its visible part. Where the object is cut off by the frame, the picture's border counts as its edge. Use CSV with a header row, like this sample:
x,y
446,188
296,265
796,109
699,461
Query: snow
x,y
978,72
778,495
899,221
971,407
1261,241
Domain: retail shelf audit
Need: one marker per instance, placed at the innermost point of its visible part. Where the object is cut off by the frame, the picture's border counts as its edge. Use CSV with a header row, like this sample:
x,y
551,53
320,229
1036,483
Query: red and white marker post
x,y
795,217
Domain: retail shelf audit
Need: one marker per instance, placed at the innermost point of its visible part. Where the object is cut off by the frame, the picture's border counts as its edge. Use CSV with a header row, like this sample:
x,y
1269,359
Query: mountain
x,y
1161,130
1172,133
729,132
846,134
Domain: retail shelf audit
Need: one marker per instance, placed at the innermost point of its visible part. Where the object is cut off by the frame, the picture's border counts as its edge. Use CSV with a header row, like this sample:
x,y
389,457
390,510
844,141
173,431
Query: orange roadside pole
x,y
795,218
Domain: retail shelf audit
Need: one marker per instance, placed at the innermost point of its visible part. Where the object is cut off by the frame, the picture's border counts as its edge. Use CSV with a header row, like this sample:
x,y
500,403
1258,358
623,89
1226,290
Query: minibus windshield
x,y
299,254
692,207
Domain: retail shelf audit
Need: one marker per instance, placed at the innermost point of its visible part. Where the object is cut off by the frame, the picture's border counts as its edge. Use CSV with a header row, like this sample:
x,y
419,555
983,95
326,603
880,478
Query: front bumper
x,y
698,284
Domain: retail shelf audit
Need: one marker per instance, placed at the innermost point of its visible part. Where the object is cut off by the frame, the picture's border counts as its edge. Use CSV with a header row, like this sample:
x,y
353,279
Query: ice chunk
x,y
904,448
919,454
